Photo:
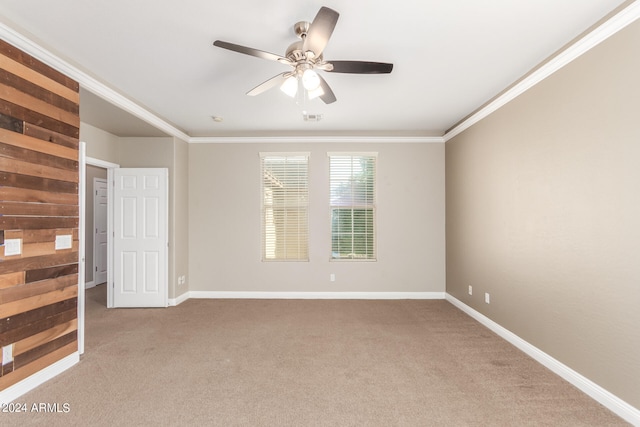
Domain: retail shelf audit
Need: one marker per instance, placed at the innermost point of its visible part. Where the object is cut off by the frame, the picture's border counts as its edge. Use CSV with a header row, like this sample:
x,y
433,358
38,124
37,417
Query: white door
x,y
100,252
141,230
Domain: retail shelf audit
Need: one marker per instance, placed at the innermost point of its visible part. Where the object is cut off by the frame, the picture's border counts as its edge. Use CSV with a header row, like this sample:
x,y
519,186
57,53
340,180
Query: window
x,y
352,180
285,202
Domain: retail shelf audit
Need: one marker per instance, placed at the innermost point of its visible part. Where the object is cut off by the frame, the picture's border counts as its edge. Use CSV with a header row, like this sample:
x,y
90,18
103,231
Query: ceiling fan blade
x,y
272,82
360,67
320,31
250,51
327,97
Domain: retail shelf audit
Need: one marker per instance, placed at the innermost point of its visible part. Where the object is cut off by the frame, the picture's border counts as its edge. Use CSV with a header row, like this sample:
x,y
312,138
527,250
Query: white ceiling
x,y
449,57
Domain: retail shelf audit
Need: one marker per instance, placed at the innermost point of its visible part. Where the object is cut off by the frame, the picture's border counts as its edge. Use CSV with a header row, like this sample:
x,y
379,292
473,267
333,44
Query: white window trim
x,y
263,155
373,154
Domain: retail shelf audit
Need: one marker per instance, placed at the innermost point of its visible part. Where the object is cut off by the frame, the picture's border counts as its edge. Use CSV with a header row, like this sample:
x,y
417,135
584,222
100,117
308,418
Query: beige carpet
x,y
303,363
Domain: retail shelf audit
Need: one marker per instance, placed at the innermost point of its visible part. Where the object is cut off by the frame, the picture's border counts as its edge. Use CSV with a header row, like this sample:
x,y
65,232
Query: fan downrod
x,y
301,29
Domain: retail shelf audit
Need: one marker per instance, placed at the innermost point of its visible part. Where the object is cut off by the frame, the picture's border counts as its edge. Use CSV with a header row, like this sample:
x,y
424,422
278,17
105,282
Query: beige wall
x,y
100,144
181,215
224,226
543,212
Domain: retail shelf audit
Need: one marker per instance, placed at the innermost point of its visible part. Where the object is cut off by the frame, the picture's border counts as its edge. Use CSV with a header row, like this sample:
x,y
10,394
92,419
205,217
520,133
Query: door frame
x,y
84,161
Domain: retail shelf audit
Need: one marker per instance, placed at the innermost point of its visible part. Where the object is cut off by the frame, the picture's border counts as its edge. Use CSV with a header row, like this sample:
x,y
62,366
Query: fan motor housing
x,y
295,53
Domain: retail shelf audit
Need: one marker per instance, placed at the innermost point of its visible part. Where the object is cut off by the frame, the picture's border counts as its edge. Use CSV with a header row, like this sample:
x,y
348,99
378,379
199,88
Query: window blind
x,y
285,206
352,179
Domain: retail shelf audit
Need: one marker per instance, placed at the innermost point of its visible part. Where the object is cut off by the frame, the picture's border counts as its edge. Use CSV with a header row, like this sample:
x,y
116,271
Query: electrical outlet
x,y
470,290
63,242
7,354
12,247
487,298
332,277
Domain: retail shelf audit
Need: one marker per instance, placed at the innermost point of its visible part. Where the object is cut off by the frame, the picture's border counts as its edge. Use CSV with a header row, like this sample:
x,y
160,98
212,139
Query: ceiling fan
x,y
305,56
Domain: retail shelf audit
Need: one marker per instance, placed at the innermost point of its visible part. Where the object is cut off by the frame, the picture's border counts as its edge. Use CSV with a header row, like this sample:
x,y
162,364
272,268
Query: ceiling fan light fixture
x,y
305,56
315,92
310,80
290,86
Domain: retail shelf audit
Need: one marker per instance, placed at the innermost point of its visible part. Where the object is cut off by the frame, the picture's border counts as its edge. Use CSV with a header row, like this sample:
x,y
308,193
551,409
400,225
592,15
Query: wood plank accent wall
x,y
39,130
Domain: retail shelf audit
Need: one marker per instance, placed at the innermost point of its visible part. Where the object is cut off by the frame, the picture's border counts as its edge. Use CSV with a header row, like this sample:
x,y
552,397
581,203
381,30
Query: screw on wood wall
x,y
39,129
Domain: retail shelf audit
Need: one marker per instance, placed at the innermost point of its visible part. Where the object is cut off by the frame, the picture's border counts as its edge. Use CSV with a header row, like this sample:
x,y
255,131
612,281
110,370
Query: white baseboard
x,y
315,295
302,295
596,392
15,391
89,285
179,300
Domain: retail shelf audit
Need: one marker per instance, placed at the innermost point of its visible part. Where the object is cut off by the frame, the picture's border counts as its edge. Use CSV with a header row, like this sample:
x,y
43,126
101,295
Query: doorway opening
x,y
87,166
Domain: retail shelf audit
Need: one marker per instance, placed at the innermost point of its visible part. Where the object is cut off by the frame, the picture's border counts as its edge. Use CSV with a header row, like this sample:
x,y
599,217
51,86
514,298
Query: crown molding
x,y
614,24
318,139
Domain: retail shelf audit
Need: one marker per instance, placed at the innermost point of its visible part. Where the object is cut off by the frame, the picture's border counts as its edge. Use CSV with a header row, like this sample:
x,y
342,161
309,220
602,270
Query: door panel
x,y
100,252
140,237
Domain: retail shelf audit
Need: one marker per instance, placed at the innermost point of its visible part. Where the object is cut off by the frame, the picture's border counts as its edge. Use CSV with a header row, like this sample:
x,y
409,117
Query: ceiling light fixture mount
x,y
311,117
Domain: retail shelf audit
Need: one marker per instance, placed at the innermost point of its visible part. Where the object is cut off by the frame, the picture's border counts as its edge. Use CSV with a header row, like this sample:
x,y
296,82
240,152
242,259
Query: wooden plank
x,y
6,368
37,340
34,263
39,249
38,170
29,222
26,320
17,97
21,195
32,144
37,288
38,79
12,279
37,183
38,209
39,67
50,273
12,80
25,331
11,123
26,371
44,349
22,113
17,153
16,307
51,136
17,234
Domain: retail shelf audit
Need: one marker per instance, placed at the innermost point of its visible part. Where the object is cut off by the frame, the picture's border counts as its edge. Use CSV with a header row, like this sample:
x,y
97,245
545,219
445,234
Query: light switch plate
x,y
12,247
63,241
